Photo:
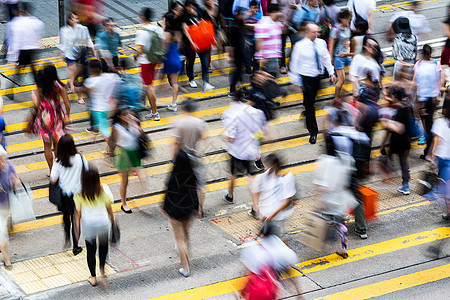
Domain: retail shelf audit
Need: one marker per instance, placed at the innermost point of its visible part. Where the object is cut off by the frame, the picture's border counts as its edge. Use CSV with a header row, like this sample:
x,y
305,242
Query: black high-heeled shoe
x,y
77,250
125,211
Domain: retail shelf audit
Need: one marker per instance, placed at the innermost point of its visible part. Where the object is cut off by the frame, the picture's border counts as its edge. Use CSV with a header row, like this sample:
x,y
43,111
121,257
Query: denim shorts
x,y
341,62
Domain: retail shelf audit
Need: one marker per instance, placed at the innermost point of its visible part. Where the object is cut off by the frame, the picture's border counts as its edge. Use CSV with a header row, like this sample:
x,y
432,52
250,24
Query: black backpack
x,y
358,18
361,150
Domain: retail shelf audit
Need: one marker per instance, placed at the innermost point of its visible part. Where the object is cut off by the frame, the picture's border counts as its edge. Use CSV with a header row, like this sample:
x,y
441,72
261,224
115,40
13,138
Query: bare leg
x,y
231,186
48,154
181,238
173,79
4,249
152,98
123,189
341,79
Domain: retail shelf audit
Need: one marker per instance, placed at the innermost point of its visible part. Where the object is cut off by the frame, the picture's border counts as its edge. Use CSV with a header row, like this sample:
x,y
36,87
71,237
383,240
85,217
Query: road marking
x,y
393,285
319,264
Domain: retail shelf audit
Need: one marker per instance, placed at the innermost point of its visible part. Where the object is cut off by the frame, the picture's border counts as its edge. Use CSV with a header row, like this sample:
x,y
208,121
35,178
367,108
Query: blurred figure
x,y
108,42
356,42
68,169
11,8
250,22
309,11
94,217
241,124
50,122
236,51
188,133
309,59
264,89
418,22
144,38
362,10
212,11
440,151
268,260
427,75
332,179
2,125
399,129
268,40
404,78
339,46
90,13
445,56
24,34
74,43
129,92
101,87
329,13
192,15
272,195
8,179
125,139
404,49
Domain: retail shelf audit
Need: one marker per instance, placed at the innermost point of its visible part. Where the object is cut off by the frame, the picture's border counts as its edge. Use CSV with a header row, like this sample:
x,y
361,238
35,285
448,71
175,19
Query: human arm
x,y
331,46
65,98
283,206
370,21
110,213
326,61
185,30
35,97
390,35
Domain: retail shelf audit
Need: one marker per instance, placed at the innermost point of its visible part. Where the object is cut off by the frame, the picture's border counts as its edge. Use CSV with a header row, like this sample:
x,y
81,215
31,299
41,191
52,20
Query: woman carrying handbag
x,y
66,173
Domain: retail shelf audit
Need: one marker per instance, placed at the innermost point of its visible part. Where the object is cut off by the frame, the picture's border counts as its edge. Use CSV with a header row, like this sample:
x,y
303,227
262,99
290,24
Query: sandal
x,y
92,281
342,253
81,101
108,153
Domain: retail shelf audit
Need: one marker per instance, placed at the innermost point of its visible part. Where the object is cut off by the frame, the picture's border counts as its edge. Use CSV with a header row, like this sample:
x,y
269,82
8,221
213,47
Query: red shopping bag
x,y
202,34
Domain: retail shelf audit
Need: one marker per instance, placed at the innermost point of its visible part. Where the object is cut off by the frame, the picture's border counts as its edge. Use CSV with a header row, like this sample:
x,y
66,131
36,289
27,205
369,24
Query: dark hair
x,y
379,55
344,14
90,184
189,106
343,117
107,20
446,109
146,14
415,3
426,51
69,16
253,3
397,93
124,63
274,160
328,2
273,8
65,150
23,6
175,4
45,79
95,64
190,2
104,65
362,26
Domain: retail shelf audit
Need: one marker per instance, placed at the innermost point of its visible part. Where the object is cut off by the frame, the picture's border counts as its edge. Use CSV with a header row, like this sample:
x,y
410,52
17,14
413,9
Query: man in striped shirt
x,y
268,39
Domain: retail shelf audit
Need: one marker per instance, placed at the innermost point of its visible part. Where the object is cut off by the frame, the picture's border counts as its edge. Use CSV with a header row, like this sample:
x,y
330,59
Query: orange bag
x,y
202,34
370,200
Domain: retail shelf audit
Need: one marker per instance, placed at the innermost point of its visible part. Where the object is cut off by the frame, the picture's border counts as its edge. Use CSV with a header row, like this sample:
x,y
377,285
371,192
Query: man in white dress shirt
x,y
24,36
309,59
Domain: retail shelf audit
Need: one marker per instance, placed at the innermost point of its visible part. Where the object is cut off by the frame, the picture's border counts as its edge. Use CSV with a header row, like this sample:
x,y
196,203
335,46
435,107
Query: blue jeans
x,y
444,168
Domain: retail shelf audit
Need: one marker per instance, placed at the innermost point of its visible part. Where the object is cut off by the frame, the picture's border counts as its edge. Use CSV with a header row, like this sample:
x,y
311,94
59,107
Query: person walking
x,y
309,11
8,179
236,51
24,34
251,64
94,217
74,43
192,16
125,139
188,133
420,27
440,151
272,194
404,49
427,75
241,122
362,10
108,43
268,40
339,45
50,121
181,201
309,59
399,129
145,36
67,172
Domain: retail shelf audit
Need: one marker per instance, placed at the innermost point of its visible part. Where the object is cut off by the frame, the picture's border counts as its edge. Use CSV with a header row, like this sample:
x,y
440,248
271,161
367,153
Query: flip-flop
x,y
81,101
92,283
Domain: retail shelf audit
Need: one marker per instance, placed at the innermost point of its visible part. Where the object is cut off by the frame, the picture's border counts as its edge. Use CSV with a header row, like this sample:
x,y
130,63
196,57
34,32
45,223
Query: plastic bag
x,y
21,205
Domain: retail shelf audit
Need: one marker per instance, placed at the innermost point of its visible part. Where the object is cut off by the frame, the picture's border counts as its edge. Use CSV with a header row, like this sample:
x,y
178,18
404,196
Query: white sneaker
x,y
156,116
193,84
149,116
208,87
172,107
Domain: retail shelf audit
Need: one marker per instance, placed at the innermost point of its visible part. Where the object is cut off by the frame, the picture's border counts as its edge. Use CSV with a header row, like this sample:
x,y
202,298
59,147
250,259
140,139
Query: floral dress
x,y
49,123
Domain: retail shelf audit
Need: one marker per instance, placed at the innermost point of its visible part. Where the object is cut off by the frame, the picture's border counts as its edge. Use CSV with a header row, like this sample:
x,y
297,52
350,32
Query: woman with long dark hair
x,y
94,213
50,119
67,172
367,72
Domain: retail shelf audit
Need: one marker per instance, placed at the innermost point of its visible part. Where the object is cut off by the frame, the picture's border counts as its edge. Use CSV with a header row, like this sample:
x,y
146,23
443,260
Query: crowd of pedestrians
x,y
327,43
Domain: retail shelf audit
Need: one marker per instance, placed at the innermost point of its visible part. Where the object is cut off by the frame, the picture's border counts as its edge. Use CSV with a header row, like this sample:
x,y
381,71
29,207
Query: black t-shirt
x,y
237,40
447,44
173,23
401,142
191,19
226,8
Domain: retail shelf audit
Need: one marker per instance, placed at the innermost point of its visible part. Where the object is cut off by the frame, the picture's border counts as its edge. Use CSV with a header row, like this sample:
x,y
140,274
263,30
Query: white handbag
x,y
21,204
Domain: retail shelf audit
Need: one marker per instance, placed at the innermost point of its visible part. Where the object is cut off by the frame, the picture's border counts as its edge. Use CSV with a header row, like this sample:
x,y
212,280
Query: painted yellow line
x,y
319,264
400,4
393,285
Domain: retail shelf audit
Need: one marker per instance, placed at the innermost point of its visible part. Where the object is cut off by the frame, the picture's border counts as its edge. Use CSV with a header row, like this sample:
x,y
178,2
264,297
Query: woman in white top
x,y
441,150
74,41
67,169
125,142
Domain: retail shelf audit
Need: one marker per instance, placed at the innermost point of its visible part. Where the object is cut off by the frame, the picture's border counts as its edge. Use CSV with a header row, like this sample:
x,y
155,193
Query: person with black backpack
x,y
150,39
362,10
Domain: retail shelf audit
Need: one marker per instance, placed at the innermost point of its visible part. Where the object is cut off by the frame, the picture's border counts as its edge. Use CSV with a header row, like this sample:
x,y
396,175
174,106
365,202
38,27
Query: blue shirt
x,y
307,14
106,41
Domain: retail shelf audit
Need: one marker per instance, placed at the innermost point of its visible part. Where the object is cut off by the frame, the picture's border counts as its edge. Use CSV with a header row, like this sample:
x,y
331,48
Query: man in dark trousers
x,y
309,59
